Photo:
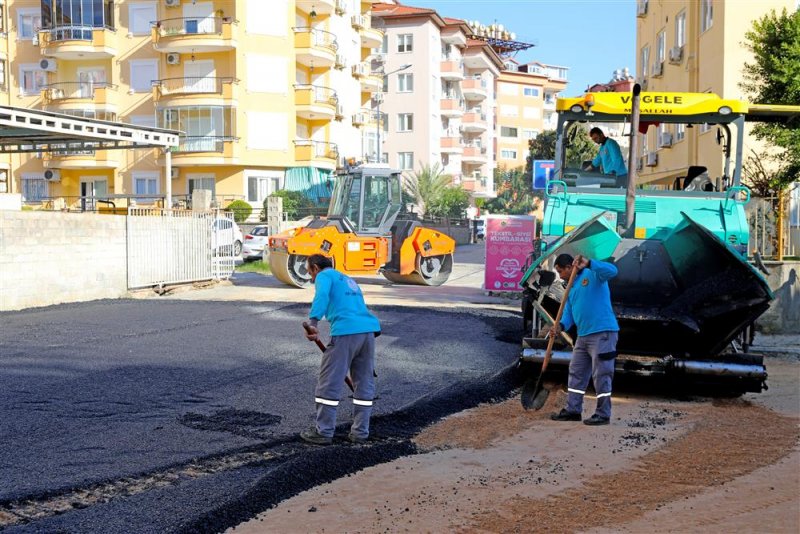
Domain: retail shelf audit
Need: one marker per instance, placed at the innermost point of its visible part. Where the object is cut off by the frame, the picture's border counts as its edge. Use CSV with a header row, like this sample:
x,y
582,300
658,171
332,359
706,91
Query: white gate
x,y
176,246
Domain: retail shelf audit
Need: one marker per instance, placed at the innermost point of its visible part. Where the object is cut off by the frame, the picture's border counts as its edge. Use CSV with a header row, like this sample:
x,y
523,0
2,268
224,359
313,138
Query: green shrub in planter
x,y
241,210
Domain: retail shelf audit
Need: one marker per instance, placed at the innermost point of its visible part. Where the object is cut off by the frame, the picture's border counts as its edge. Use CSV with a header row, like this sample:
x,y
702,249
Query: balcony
x,y
315,48
452,70
370,37
315,102
549,102
451,142
78,42
474,89
206,150
80,95
316,153
320,7
370,82
474,121
474,155
205,90
195,35
362,118
82,159
452,106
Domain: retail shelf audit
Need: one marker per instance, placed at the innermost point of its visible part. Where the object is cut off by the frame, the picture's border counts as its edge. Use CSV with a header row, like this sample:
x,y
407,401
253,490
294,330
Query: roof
x,y
27,130
397,12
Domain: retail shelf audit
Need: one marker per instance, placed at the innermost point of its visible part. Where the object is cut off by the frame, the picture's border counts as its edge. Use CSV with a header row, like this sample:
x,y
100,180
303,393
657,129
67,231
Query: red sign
x,y
509,241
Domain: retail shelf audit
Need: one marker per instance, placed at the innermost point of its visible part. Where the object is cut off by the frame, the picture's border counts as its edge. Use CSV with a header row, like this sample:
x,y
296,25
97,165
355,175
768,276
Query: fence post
x,y
779,252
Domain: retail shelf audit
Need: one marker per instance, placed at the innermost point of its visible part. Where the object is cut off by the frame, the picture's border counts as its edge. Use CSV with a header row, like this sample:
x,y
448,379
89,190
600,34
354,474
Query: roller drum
x,y
289,268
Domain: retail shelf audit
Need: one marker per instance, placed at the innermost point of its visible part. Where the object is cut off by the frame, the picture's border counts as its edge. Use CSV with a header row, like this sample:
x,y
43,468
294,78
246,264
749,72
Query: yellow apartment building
x,y
526,106
692,46
267,94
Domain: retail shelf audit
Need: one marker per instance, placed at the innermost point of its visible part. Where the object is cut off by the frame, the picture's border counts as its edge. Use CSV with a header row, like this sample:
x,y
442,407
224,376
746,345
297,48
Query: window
x,y
509,89
661,46
531,91
508,110
405,161
405,122
508,154
706,15
644,61
140,16
145,183
385,45
506,131
680,132
74,19
31,79
3,85
143,120
530,134
405,83
34,187
680,29
143,72
200,181
405,42
29,22
385,84
260,187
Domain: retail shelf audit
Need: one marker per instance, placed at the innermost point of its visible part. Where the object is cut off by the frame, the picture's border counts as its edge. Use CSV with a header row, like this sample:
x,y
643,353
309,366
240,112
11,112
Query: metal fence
x,y
774,227
176,246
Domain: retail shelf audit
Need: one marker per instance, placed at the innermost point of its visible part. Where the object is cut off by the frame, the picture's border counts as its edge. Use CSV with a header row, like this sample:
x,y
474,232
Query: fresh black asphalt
x,y
109,391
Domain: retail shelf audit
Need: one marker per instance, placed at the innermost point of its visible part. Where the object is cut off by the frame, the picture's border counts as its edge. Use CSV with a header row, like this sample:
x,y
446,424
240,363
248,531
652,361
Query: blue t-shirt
x,y
610,157
338,298
589,302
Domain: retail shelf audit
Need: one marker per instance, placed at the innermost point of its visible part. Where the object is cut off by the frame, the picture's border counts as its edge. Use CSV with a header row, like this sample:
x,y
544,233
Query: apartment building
x,y
693,46
439,103
267,94
526,106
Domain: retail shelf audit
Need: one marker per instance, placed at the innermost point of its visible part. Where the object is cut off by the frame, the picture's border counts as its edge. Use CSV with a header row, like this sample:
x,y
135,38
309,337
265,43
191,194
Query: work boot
x,y
312,436
564,415
352,438
596,420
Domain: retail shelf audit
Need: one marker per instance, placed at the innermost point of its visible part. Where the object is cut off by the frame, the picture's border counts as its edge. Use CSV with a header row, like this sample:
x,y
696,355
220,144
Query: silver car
x,y
254,242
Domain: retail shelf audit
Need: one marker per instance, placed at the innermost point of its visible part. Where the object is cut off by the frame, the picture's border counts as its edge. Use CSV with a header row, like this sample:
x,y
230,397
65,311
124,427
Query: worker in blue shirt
x,y
338,298
589,308
609,158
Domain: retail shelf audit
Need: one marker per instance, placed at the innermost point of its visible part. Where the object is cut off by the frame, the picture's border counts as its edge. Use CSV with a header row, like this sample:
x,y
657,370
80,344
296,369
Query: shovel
x,y
321,345
533,395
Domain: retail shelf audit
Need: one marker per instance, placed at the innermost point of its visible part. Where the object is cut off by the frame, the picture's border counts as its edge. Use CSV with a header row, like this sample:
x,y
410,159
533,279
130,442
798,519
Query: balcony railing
x,y
192,26
203,143
72,33
319,149
321,94
55,92
193,85
320,38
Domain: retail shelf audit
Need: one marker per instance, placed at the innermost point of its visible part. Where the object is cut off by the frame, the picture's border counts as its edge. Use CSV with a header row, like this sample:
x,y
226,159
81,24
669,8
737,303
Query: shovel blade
x,y
533,394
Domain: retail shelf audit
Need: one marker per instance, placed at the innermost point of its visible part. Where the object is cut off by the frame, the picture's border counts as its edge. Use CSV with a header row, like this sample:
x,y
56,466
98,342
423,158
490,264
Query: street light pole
x,y
378,100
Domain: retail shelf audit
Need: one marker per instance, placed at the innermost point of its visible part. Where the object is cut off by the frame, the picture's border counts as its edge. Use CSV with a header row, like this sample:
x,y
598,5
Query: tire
x,y
237,248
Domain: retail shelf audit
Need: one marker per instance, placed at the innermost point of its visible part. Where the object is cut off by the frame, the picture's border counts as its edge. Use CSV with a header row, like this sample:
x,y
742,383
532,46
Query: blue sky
x,y
591,37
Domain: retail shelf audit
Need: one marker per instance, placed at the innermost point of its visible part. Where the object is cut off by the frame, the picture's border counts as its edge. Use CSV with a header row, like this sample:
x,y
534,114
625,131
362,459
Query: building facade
x,y
692,46
266,94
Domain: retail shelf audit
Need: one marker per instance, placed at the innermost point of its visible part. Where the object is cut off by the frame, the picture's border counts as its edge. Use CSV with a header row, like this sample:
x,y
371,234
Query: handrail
x,y
321,37
194,84
73,32
322,94
203,143
204,25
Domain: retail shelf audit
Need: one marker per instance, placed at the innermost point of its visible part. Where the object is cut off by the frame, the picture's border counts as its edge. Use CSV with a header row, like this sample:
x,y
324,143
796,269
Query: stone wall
x,y
50,258
783,316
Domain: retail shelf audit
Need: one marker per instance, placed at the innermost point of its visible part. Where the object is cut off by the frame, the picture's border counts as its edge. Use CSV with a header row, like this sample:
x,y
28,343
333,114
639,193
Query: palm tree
x,y
427,185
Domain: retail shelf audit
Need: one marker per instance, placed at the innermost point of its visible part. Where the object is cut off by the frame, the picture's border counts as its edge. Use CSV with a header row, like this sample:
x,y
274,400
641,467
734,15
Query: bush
x,y
294,203
241,210
452,202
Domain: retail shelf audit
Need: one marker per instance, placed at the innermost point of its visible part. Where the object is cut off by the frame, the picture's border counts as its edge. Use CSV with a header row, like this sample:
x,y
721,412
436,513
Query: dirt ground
x,y
663,465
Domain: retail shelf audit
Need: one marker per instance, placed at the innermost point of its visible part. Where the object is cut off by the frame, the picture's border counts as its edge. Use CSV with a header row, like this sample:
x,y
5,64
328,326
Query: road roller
x,y
363,236
685,296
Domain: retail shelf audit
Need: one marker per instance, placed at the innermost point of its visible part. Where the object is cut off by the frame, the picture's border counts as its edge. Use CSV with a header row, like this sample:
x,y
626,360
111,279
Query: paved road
x,y
162,410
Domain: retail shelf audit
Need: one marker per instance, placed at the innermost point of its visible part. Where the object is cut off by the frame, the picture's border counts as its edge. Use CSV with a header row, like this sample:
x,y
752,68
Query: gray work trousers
x,y
354,353
593,357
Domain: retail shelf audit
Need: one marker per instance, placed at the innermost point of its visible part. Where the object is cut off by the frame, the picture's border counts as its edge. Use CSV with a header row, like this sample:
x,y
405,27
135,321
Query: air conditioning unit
x,y
341,62
641,8
675,54
341,7
173,59
47,64
172,3
339,112
52,175
666,140
652,159
176,172
658,69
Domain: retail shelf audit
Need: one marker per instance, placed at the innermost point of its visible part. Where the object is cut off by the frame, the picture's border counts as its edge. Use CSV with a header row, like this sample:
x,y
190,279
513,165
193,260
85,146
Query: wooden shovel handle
x,y
319,343
549,352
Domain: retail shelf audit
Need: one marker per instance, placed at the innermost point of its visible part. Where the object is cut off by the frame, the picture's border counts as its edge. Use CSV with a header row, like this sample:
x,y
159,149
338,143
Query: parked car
x,y
226,237
254,243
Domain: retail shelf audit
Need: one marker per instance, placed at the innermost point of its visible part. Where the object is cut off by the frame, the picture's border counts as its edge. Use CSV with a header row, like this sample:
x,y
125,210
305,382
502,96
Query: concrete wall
x,y
783,317
52,258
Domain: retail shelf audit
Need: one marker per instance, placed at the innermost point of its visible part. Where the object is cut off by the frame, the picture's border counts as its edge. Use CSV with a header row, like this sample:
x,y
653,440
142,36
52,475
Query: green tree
x,y
515,194
543,147
579,147
241,210
452,202
427,185
774,78
295,203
